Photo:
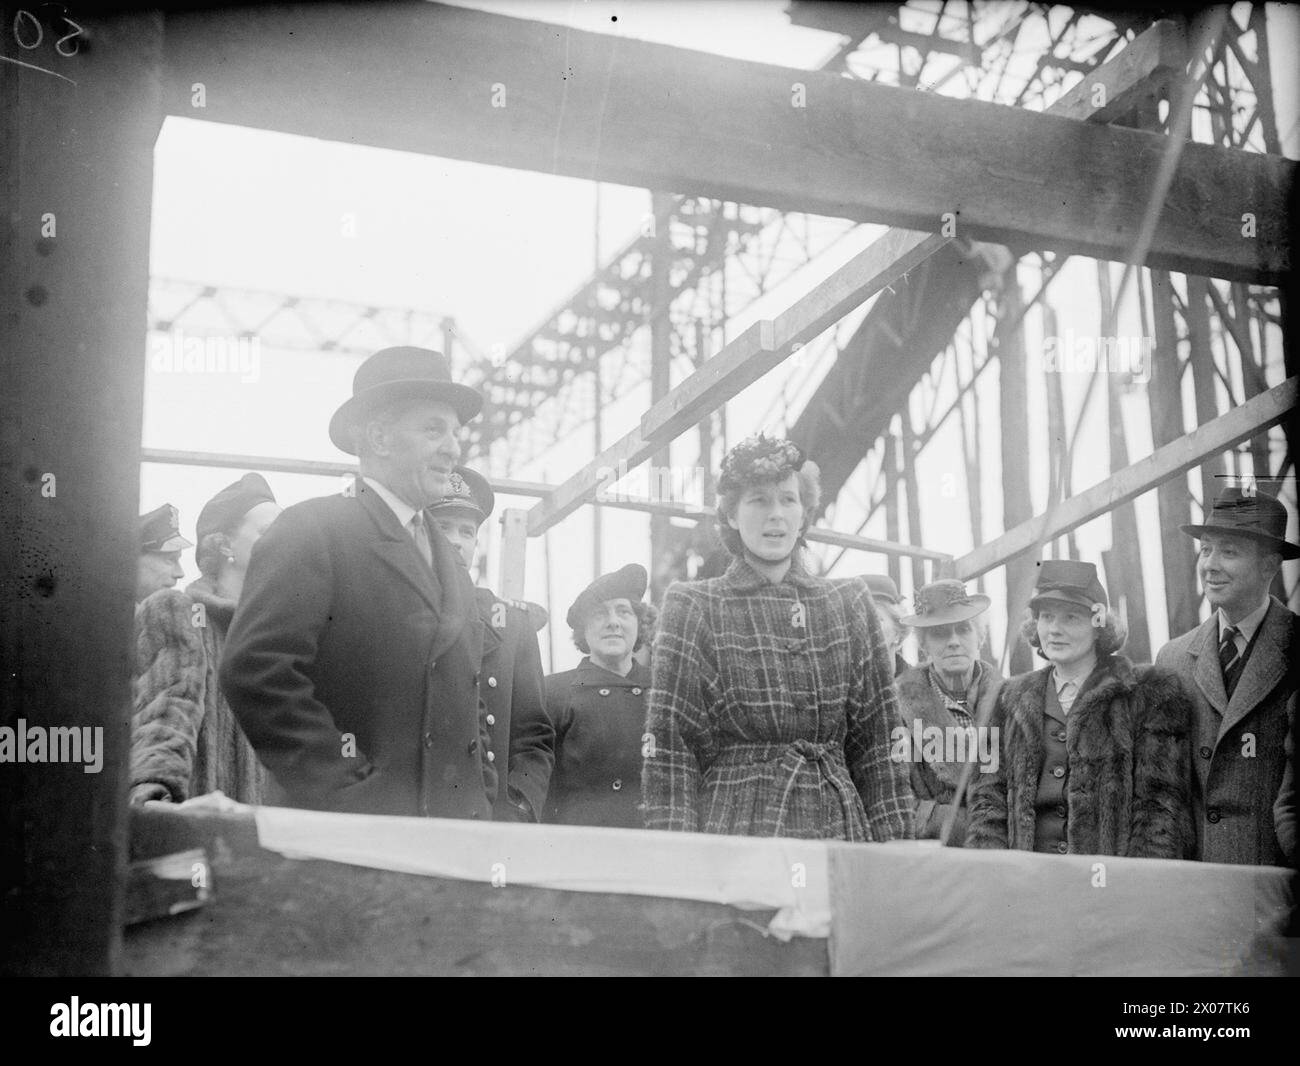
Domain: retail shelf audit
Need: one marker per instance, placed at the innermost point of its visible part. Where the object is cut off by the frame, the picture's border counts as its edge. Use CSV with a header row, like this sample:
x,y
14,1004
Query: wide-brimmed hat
x,y
469,491
228,507
628,583
1258,516
394,374
160,530
1068,581
883,588
944,603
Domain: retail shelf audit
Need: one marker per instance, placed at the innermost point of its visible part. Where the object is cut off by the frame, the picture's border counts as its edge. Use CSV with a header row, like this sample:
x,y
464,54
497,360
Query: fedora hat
x,y
1258,516
469,491
943,603
1068,581
394,374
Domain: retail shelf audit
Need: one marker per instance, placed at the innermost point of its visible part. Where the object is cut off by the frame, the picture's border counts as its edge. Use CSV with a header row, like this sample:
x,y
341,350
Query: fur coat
x,y
185,740
1129,772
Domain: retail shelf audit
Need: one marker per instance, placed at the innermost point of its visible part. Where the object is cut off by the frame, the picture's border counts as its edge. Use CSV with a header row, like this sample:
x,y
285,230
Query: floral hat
x,y
759,458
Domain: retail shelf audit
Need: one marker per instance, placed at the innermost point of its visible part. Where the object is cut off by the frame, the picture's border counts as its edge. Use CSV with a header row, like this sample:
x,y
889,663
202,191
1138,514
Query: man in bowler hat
x,y
521,738
1240,668
353,659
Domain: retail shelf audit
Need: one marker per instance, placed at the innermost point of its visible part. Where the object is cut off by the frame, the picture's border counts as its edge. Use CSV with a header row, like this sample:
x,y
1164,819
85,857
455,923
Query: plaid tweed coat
x,y
770,712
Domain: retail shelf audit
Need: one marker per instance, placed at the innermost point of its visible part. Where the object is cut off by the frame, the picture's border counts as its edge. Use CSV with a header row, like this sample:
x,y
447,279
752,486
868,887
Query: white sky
x,y
497,249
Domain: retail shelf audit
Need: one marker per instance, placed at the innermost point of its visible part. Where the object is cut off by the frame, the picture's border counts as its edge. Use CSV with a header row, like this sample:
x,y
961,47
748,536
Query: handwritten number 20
x,y
32,23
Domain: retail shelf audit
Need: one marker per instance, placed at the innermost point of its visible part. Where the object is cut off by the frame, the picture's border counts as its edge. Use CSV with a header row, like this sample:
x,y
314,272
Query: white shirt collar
x,y
403,510
1247,625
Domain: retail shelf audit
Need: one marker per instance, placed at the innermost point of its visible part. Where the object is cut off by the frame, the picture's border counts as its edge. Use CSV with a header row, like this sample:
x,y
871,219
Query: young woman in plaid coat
x,y
771,704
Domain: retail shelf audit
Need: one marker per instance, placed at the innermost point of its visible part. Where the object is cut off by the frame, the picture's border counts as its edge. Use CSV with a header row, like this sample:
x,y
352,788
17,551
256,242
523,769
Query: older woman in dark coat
x,y
1096,752
772,706
185,741
598,709
946,703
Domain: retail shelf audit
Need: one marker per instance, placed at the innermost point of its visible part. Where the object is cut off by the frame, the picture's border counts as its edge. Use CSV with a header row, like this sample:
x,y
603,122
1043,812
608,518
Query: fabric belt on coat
x,y
829,756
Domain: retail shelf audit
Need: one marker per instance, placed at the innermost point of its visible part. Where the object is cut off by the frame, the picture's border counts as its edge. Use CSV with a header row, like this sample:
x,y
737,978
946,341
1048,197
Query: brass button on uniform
x,y
1058,771
1205,751
1060,811
491,719
491,756
1213,816
492,682
604,692
1062,847
636,692
1060,735
618,783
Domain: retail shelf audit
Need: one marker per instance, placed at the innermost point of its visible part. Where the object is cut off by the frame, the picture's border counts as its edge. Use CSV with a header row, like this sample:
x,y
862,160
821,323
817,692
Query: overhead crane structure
x,y
1049,185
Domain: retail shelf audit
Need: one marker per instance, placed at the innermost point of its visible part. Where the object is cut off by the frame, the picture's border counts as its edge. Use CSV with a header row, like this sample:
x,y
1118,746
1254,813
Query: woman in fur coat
x,y
1095,752
185,741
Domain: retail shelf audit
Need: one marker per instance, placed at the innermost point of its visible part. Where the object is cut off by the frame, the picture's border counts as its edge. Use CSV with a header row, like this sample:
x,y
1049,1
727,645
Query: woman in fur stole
x,y
185,741
1095,752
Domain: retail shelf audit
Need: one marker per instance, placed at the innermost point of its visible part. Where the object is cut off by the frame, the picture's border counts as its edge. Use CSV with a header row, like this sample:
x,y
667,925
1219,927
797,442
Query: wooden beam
x,y
1265,410
77,132
514,548
469,85
763,346
1137,74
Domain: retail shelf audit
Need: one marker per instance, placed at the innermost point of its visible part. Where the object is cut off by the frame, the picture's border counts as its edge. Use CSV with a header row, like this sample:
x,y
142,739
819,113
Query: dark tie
x,y
1229,660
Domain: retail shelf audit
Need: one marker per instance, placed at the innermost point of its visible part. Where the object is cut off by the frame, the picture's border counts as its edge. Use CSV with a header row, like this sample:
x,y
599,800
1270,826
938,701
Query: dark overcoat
x,y
934,781
514,703
1239,745
1128,781
599,720
353,666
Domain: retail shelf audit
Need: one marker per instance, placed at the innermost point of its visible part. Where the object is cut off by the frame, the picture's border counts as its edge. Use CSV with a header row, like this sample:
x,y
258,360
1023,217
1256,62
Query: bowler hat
x,y
160,530
394,374
883,588
1068,581
469,491
628,583
228,507
943,603
1258,516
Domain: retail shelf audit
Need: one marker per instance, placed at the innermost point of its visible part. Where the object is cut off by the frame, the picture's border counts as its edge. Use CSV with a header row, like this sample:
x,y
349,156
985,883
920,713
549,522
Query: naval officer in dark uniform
x,y
599,707
510,680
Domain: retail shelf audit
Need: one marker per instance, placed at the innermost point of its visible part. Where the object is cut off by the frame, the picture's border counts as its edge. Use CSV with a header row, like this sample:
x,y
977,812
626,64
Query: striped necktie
x,y
1229,659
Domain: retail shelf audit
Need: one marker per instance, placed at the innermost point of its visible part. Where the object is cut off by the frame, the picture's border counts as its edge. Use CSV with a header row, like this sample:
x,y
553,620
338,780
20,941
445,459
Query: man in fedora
x,y
521,742
1240,669
353,659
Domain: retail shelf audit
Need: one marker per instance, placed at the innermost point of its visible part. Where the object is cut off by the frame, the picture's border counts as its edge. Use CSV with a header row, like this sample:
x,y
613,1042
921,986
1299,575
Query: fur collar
x,y
219,608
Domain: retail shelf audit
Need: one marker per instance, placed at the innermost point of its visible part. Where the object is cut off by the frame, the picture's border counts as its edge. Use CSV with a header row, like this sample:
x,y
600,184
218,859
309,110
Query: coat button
x,y
491,756
618,783
473,746
1062,847
491,719
604,692
1212,816
428,740
1061,811
636,692
1205,751
1060,735
1058,771
492,682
